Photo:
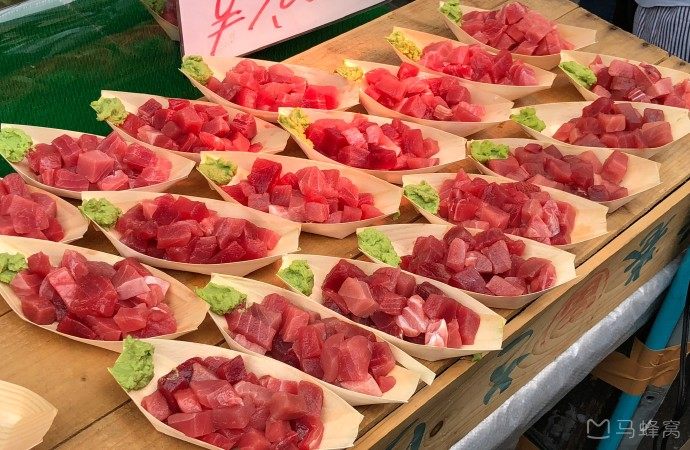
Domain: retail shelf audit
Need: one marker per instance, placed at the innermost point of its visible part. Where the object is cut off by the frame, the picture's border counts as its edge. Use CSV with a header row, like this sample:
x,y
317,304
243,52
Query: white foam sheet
x,y
509,421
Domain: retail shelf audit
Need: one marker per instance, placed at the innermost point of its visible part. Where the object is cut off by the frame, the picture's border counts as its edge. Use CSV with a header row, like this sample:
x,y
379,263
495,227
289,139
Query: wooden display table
x,y
644,236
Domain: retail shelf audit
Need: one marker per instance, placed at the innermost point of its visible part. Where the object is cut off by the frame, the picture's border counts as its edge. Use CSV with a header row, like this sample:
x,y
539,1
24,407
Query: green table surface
x,y
54,63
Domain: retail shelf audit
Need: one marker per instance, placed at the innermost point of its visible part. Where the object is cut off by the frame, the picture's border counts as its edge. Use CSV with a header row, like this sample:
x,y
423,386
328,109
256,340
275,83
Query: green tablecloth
x,y
55,62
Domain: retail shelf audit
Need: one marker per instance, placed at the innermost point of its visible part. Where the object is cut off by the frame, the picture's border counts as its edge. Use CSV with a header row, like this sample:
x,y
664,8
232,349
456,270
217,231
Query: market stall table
x,y
644,236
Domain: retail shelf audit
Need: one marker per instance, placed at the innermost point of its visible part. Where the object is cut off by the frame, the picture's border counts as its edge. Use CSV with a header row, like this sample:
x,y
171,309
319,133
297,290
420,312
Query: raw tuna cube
x,y
653,115
286,406
366,386
194,424
38,310
138,157
44,157
156,405
468,323
251,327
294,319
131,319
259,395
493,215
358,297
72,326
275,302
215,394
469,279
436,333
382,359
413,320
343,270
105,328
63,283
330,357
315,212
355,357
115,182
219,440
245,124
187,401
389,302
68,148
656,134
254,440
544,280
233,417
503,166
498,255
233,370
188,119
263,175
64,179
480,262
94,165
309,431
39,264
269,316
438,306
612,122
147,109
499,286
615,167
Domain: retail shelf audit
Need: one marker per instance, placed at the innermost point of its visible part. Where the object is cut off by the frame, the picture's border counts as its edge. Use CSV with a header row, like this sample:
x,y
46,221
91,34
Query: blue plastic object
x,y
659,335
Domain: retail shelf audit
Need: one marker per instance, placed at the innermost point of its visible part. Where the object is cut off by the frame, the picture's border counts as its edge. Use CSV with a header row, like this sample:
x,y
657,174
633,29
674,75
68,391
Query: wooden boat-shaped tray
x,y
489,335
556,114
510,92
579,37
180,169
289,232
449,144
403,237
590,220
341,421
272,138
642,174
220,65
386,196
407,373
497,108
188,309
25,417
586,58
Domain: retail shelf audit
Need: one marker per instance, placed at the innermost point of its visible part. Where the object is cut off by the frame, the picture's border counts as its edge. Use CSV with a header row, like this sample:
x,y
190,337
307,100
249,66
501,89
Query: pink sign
x,y
237,27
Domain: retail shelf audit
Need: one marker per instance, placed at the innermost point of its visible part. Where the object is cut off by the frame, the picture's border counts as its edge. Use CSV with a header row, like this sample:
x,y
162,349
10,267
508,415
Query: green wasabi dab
x,y
378,245
101,211
483,151
423,195
195,67
222,299
528,117
14,144
133,369
11,265
218,170
298,275
581,74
